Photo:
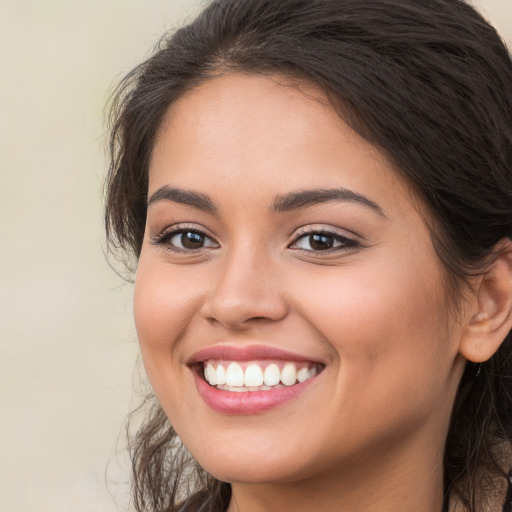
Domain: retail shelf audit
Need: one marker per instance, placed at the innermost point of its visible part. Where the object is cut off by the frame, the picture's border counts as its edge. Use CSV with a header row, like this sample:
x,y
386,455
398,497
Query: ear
x,y
490,315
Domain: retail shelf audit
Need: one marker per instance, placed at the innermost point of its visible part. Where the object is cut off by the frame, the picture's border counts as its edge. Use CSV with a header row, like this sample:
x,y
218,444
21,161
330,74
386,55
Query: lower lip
x,y
248,402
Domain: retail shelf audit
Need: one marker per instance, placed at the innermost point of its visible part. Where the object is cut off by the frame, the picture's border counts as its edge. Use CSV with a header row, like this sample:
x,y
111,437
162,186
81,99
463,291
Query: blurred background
x,y
68,346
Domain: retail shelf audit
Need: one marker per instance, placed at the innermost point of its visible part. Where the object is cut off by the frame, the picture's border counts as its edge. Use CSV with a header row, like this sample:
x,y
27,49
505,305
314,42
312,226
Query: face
x,y
285,258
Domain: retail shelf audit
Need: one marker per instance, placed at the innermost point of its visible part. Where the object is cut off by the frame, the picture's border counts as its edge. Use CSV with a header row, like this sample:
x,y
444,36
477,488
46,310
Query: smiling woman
x,y
319,196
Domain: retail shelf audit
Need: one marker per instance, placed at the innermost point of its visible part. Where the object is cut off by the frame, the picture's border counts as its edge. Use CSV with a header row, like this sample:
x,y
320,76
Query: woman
x,y
318,194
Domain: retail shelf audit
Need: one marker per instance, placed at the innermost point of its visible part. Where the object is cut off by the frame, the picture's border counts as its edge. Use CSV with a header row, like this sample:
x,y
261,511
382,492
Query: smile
x,y
234,379
238,376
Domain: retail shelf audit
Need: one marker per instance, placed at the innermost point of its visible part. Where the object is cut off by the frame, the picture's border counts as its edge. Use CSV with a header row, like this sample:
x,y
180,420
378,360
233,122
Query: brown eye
x,y
187,240
191,240
320,241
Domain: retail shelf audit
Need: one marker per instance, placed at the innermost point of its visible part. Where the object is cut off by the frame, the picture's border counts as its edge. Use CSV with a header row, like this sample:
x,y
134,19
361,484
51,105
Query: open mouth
x,y
244,376
251,379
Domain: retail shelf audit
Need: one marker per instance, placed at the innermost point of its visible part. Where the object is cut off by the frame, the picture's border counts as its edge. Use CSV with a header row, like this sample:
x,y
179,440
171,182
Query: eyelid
x,y
347,241
165,235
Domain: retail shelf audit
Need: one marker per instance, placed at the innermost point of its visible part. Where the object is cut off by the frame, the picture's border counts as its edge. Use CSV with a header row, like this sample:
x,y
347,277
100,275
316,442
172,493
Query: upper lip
x,y
247,353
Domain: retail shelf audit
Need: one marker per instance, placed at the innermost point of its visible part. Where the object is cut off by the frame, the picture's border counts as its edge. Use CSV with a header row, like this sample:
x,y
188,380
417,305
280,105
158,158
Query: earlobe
x,y
491,322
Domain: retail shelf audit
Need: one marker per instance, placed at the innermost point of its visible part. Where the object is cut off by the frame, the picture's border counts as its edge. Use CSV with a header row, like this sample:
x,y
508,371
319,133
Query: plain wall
x,y
67,341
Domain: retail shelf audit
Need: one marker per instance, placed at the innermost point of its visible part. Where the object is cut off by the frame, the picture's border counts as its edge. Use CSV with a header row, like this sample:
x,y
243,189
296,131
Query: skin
x,y
368,434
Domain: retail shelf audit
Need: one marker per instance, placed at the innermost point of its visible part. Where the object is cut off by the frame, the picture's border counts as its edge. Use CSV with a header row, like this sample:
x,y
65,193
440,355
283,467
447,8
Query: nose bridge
x,y
247,287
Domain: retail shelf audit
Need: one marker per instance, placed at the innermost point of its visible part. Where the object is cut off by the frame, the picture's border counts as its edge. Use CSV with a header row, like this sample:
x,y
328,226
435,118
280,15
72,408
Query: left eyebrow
x,y
188,197
305,198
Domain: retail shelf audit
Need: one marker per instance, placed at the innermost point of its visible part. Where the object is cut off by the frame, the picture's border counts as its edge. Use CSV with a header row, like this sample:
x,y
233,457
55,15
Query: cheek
x,y
163,306
387,329
163,303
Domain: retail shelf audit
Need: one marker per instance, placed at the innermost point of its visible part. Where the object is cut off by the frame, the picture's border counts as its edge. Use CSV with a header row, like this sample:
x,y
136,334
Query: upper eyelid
x,y
162,237
347,242
176,228
327,230
302,231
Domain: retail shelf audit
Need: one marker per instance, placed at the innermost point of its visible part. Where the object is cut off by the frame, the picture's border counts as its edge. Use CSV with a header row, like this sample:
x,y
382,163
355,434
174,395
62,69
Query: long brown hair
x,y
429,82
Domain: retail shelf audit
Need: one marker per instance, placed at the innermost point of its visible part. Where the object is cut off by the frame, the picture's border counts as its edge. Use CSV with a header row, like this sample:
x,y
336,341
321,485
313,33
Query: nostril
x,y
242,297
238,324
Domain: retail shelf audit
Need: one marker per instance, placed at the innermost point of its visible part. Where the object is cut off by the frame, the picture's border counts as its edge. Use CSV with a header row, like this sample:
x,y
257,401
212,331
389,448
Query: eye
x,y
185,240
318,241
190,240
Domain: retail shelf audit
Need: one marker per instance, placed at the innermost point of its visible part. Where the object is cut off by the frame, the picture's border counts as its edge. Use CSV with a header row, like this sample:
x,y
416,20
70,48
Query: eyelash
x,y
343,243
339,242
164,239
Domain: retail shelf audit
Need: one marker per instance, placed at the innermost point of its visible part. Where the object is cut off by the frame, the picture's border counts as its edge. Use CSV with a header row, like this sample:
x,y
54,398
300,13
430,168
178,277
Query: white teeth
x,y
289,374
210,374
253,376
234,375
272,375
303,374
220,375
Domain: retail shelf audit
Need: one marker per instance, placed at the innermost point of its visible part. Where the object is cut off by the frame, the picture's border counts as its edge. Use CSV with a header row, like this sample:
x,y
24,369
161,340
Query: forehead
x,y
279,132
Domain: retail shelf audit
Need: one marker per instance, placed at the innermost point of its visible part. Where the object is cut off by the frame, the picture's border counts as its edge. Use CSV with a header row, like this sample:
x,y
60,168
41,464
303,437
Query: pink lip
x,y
246,353
248,402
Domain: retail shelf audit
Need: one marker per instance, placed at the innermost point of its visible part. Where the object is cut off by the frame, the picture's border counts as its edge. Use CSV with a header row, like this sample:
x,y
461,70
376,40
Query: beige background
x,y
67,342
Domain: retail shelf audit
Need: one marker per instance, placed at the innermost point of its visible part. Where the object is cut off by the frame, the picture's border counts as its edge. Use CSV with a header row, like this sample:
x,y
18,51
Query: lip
x,y
247,402
248,353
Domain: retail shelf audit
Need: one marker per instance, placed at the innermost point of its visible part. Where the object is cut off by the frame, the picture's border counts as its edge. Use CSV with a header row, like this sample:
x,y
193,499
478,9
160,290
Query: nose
x,y
246,292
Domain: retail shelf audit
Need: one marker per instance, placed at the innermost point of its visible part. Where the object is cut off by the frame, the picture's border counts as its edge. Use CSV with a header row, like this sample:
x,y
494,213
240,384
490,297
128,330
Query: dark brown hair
x,y
428,82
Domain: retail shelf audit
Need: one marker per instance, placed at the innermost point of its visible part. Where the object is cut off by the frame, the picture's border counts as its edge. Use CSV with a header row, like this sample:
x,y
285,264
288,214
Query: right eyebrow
x,y
188,197
306,198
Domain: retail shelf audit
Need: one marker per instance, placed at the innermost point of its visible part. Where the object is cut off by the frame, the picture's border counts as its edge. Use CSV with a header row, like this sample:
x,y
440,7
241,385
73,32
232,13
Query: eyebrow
x,y
305,198
188,197
282,203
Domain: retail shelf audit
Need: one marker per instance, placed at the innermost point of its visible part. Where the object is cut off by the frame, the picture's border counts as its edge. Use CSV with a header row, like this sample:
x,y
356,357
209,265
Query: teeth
x,y
272,375
220,375
234,375
210,374
302,375
254,378
289,374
